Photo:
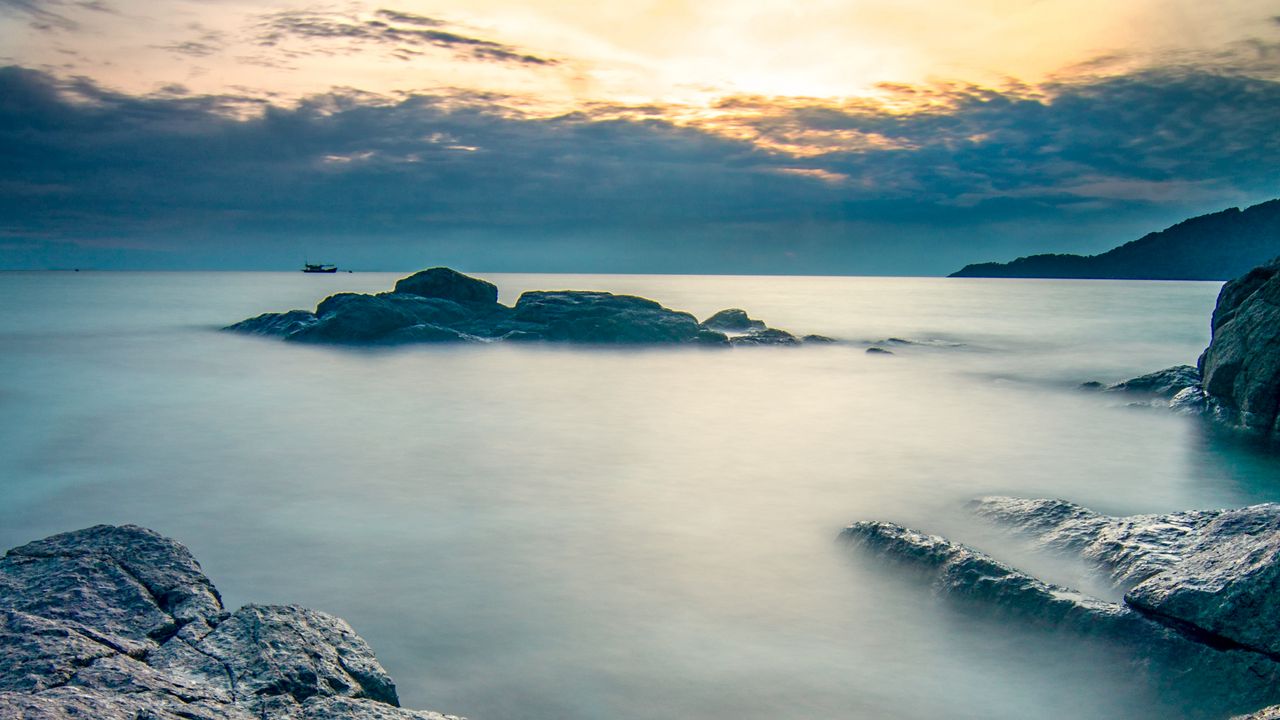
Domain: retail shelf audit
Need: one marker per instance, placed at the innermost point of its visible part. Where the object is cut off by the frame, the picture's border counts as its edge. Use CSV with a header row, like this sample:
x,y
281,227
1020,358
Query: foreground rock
x,y
1201,596
442,305
1213,572
119,623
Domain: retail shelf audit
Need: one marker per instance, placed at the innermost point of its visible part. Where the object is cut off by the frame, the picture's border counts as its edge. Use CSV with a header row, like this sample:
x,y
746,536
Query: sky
x,y
902,137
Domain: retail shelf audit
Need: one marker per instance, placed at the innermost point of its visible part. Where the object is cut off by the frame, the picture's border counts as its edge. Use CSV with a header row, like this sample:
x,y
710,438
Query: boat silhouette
x,y
319,268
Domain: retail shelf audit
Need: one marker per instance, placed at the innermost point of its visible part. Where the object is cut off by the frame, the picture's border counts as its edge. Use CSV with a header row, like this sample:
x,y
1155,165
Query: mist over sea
x,y
538,532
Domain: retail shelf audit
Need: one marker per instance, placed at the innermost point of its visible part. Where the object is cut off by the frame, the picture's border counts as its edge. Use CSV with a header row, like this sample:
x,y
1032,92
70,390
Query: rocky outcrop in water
x,y
119,623
442,305
1241,366
1201,586
1237,378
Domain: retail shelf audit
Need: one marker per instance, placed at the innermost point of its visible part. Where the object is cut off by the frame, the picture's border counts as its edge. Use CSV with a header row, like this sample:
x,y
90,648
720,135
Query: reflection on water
x,y
541,532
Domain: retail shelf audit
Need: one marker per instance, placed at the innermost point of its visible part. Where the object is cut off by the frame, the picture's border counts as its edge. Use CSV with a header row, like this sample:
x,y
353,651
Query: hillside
x,y
1218,246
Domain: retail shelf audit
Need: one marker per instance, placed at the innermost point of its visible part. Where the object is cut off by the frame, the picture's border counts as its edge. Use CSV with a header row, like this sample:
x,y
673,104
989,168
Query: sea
x,y
543,532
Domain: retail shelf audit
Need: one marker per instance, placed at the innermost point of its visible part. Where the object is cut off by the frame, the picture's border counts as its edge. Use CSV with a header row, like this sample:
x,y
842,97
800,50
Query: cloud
x,y
42,17
967,172
398,30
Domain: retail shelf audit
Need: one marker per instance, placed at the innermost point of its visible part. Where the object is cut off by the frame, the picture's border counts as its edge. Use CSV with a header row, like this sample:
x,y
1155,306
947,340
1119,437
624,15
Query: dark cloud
x,y
784,187
409,18
392,29
43,17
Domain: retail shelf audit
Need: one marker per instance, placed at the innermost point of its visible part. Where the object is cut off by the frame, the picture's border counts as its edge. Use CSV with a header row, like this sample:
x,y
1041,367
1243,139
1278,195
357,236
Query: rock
x,y
1241,366
281,324
120,623
447,284
1247,678
600,317
1163,383
769,336
1269,713
817,339
1215,573
732,320
441,305
878,351
1092,385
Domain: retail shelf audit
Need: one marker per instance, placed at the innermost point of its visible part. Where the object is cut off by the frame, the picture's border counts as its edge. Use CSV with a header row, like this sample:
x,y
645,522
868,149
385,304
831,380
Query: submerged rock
x,y
119,623
878,351
442,305
1241,366
1246,676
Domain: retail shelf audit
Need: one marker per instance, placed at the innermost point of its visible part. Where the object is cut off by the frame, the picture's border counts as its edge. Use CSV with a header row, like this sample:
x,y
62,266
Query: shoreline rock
x,y
1174,615
1236,380
120,623
442,305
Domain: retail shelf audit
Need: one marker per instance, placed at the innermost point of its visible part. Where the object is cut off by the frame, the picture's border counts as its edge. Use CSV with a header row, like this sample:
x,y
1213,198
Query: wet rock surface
x,y
1163,384
1201,596
442,305
120,623
1241,366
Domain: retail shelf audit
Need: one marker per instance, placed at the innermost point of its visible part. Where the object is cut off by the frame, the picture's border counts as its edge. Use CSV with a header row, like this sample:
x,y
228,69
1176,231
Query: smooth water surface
x,y
544,532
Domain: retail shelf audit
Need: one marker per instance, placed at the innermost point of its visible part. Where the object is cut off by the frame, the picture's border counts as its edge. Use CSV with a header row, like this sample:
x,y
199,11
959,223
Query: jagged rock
x,y
1241,366
448,284
817,339
441,305
1213,572
1248,678
732,320
1162,383
878,351
120,623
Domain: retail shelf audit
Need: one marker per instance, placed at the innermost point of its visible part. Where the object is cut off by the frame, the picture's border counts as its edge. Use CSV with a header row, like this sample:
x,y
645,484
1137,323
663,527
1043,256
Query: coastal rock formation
x,y
1237,378
442,305
1241,366
1246,675
1215,573
119,623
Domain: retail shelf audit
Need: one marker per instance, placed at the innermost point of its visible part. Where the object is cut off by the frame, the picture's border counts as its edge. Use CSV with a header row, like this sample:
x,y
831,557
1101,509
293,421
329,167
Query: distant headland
x,y
1218,246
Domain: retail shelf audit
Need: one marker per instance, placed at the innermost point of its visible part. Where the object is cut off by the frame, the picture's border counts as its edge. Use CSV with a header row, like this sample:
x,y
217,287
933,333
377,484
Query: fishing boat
x,y
309,268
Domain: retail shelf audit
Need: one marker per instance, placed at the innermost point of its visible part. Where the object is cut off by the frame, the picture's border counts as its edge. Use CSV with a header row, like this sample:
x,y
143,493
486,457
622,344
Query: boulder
x,y
732,320
1241,366
120,623
448,284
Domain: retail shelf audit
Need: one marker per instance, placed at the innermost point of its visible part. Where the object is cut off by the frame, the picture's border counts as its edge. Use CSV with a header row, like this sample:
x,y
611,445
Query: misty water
x,y
545,532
